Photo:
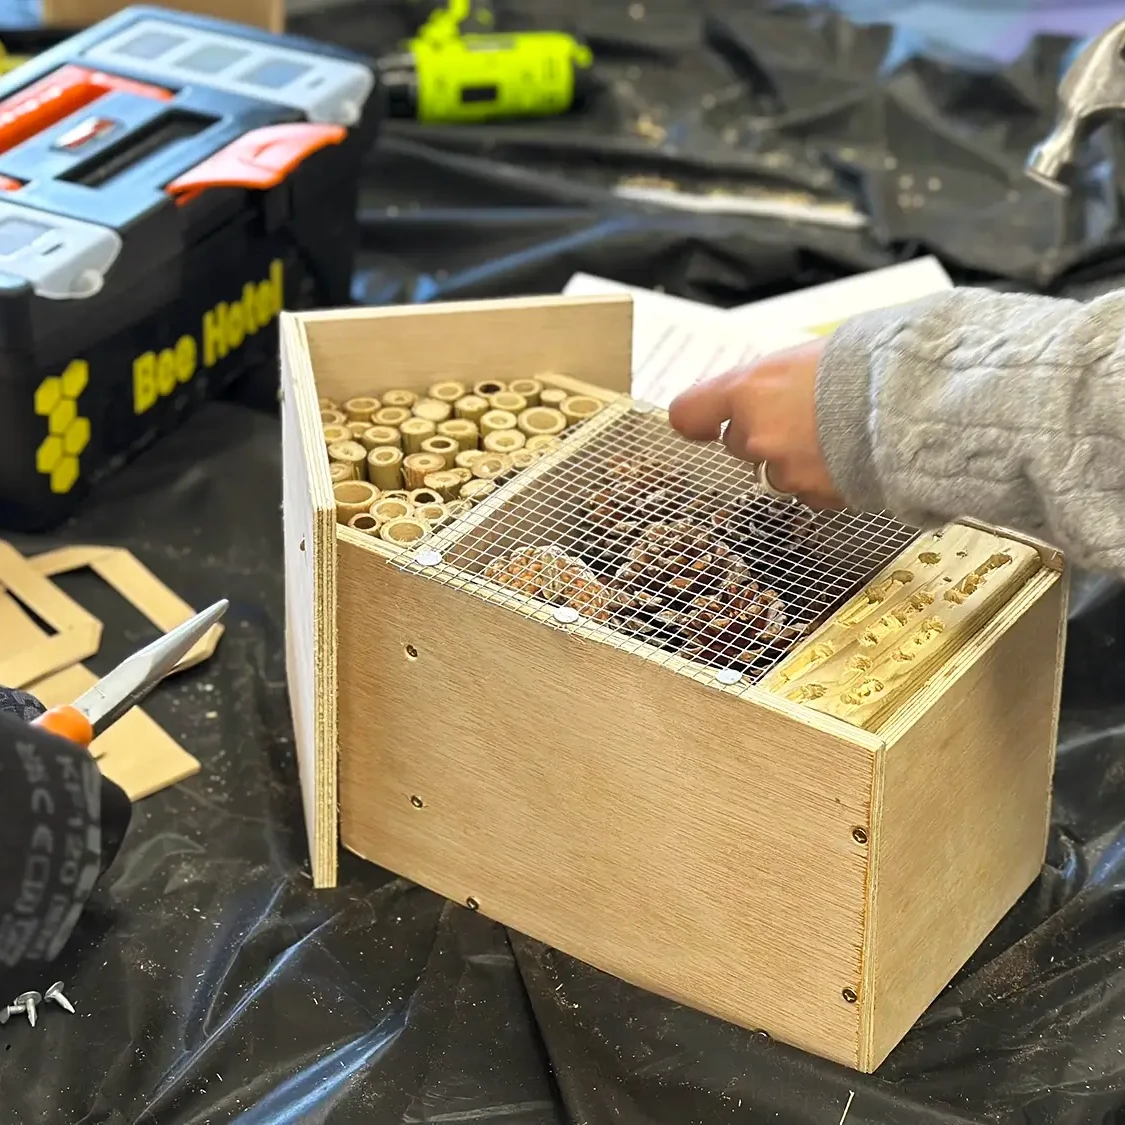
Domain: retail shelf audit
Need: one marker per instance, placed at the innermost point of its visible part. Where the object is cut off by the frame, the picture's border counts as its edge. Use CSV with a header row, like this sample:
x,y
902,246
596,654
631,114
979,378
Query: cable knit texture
x,y
1003,407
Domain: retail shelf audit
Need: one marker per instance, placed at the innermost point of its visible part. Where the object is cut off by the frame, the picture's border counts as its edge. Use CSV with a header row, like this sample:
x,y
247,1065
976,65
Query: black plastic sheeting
x,y
214,986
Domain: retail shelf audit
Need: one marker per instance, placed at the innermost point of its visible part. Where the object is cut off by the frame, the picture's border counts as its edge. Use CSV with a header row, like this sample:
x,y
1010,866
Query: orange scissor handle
x,y
67,722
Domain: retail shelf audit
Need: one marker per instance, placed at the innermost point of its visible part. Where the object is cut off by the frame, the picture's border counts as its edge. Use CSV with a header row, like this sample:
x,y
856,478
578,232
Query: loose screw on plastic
x,y
55,992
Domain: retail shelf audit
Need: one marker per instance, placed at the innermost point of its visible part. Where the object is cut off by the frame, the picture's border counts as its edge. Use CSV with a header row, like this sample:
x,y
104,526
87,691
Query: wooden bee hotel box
x,y
568,669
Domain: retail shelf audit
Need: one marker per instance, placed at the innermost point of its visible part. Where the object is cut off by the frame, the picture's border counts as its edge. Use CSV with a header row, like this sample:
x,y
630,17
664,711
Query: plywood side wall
x,y
359,351
962,807
680,838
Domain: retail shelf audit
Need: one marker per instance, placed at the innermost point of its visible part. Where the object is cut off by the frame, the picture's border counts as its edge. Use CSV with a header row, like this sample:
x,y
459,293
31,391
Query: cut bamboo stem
x,y
390,508
445,483
524,458
491,466
444,447
415,431
390,415
384,467
417,466
551,396
399,398
339,470
468,457
365,522
351,453
472,408
542,420
335,433
327,404
455,509
405,531
487,387
353,497
531,389
333,418
504,441
356,430
506,400
360,408
375,436
542,443
434,514
448,391
497,420
476,490
577,408
462,431
432,410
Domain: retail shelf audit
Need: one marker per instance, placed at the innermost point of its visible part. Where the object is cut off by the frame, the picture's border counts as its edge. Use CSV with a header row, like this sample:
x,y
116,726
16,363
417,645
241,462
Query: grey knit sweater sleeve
x,y
1002,407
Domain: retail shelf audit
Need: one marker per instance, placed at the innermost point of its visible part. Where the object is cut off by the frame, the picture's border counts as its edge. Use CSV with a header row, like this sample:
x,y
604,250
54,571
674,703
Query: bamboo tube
x,y
465,459
549,396
448,391
339,470
418,466
328,404
387,509
432,410
365,522
497,420
415,431
462,431
357,429
455,509
384,467
375,436
542,420
352,453
524,458
333,418
577,408
505,400
360,408
404,532
422,496
399,398
488,387
531,389
504,441
471,408
434,514
352,498
396,494
491,466
335,433
390,415
445,483
476,490
444,447
542,443
462,474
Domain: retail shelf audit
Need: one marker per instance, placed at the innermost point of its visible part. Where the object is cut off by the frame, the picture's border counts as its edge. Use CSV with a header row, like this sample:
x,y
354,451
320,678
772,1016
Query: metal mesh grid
x,y
664,546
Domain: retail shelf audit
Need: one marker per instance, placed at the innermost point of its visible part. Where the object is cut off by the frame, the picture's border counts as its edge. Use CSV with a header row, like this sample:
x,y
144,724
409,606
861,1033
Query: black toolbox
x,y
168,183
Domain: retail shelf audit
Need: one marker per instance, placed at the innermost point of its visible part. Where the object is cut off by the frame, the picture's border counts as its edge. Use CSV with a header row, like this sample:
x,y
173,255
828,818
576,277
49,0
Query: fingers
x,y
699,413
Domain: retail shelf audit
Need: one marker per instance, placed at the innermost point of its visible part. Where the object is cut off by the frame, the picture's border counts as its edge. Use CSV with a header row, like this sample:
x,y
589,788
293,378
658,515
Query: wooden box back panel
x,y
814,853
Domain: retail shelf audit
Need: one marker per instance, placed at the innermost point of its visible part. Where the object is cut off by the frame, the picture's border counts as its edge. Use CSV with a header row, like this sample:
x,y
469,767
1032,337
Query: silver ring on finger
x,y
767,485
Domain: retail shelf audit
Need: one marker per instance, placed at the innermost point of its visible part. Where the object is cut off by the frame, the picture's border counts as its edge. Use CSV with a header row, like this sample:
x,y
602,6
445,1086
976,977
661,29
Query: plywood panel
x,y
680,838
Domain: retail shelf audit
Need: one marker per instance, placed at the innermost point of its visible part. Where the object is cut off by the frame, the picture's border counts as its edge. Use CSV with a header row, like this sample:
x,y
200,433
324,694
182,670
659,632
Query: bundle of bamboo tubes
x,y
404,464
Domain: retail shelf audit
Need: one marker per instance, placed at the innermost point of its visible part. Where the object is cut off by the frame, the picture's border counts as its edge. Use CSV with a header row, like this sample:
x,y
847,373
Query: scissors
x,y
123,688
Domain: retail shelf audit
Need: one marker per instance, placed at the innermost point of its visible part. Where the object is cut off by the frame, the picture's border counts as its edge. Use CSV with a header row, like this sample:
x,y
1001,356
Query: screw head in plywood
x,y
850,995
859,835
472,903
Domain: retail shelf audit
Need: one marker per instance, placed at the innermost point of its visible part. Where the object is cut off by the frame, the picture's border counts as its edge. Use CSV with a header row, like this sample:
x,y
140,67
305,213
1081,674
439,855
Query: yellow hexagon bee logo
x,y
68,433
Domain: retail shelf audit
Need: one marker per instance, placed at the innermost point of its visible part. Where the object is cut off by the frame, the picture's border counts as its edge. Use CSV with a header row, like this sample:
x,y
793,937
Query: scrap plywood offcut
x,y
136,752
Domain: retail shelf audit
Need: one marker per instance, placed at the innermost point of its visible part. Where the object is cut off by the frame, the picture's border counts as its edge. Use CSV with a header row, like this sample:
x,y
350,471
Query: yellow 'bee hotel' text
x,y
224,329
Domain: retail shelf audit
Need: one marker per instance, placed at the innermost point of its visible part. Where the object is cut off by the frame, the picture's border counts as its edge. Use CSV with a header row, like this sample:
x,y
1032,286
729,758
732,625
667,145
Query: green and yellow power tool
x,y
447,74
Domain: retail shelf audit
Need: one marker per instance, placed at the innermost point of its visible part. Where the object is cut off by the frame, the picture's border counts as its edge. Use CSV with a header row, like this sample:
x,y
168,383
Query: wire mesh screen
x,y
664,546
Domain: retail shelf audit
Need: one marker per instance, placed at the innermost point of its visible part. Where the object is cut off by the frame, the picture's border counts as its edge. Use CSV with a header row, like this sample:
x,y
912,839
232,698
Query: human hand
x,y
771,410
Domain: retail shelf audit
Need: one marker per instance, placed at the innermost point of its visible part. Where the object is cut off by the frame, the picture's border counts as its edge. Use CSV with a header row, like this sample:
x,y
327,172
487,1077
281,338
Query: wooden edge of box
x,y
877,1037
309,549
266,14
